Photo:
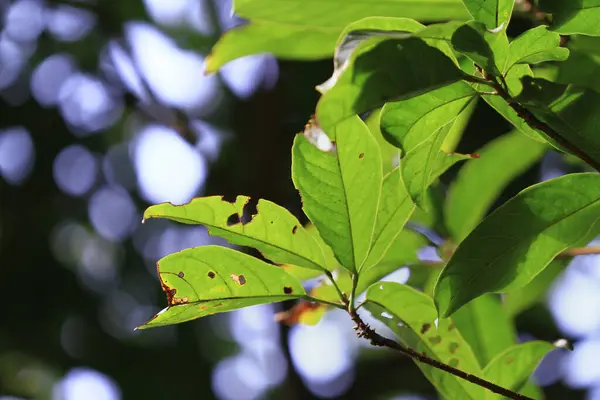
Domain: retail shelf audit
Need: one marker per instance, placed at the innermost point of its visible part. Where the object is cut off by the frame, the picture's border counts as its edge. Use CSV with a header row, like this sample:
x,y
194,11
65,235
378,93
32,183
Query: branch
x,y
535,123
365,331
579,251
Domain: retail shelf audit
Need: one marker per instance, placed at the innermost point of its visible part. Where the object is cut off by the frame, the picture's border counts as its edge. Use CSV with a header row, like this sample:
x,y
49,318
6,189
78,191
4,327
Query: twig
x,y
365,331
579,251
535,123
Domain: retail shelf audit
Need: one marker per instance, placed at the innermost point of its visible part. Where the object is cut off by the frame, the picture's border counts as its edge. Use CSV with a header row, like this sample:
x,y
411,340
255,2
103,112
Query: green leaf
x,y
441,341
458,128
340,189
212,279
402,252
389,153
485,326
581,69
535,46
488,50
384,71
535,291
283,41
419,125
520,238
480,181
573,112
493,13
273,230
339,13
511,368
573,17
395,208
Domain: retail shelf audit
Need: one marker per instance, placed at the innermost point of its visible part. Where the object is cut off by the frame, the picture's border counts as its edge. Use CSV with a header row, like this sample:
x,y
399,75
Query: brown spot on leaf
x,y
180,274
287,290
453,347
425,328
451,327
453,362
211,275
233,219
239,279
294,229
361,155
509,360
435,339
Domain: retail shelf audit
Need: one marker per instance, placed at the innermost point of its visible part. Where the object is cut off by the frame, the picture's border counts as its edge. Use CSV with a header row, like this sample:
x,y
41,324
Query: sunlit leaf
x,y
339,13
340,189
573,17
493,13
488,49
520,238
485,326
418,125
480,181
511,368
395,208
389,153
273,230
211,279
412,316
535,46
281,40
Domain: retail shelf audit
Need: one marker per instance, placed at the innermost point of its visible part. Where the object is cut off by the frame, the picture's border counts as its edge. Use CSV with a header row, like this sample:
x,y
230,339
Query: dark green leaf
x,y
211,279
573,112
573,17
273,230
480,181
493,13
485,326
535,46
340,189
413,317
385,71
488,50
520,238
511,368
419,125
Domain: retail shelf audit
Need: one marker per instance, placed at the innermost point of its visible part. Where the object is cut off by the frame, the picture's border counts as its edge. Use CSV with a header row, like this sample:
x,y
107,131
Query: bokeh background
x,y
104,109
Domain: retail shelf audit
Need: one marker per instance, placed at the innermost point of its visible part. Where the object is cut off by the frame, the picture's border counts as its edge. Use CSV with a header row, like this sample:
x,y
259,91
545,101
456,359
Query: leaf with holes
x,y
340,189
535,46
418,125
512,367
486,327
412,316
273,230
520,238
211,279
479,182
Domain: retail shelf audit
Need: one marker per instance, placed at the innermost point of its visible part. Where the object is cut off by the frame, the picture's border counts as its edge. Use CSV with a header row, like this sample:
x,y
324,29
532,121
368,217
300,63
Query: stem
x,y
350,304
365,331
329,303
535,123
579,251
342,296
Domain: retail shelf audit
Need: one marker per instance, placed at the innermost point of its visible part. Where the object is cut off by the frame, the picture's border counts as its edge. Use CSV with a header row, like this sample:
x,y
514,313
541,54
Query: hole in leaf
x,y
211,274
294,229
452,347
361,155
249,211
387,315
451,327
239,279
181,274
233,219
229,198
287,290
425,328
435,339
